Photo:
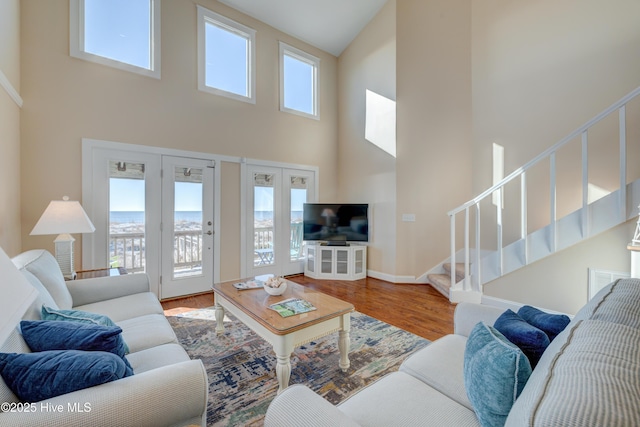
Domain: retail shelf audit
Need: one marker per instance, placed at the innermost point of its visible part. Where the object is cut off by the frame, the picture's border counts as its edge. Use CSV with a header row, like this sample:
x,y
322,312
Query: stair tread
x,y
459,270
441,283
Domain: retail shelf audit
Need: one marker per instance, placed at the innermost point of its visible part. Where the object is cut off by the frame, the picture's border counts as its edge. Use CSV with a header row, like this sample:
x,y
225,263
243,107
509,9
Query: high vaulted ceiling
x,y
329,25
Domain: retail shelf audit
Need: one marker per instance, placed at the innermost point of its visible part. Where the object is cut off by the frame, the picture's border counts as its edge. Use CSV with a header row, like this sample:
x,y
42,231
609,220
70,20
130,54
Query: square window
x,y
226,57
123,34
298,82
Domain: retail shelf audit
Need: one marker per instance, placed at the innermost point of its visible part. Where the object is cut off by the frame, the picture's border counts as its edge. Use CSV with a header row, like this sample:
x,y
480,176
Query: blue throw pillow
x,y
49,313
531,340
38,376
495,372
43,335
551,324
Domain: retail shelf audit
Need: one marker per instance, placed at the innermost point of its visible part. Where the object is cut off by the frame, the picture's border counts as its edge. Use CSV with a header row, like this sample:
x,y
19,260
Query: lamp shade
x,y
329,213
63,216
17,296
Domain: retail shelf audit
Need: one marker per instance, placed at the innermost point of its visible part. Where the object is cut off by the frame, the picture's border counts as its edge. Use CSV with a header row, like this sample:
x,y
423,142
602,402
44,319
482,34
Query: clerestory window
x,y
226,57
124,34
299,82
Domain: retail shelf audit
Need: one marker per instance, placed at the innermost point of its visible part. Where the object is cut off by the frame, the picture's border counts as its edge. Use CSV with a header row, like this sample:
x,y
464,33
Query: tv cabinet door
x,y
310,262
338,262
341,266
327,258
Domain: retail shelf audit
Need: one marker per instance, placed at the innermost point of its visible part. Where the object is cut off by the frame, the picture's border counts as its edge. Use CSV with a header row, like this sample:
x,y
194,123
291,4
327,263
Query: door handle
x,y
209,232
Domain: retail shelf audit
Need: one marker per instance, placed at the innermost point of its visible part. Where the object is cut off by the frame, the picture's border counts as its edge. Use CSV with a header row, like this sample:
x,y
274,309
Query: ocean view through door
x,y
274,224
187,226
154,215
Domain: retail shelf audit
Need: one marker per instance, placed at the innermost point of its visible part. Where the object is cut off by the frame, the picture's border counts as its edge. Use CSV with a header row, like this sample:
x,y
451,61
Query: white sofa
x,y
588,376
167,388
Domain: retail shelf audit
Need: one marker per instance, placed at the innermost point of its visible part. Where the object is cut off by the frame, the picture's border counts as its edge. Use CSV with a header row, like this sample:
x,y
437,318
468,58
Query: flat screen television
x,y
335,223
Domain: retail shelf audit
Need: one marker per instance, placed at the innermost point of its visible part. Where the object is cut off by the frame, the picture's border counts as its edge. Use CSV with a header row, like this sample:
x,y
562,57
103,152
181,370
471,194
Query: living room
x,y
464,75
66,99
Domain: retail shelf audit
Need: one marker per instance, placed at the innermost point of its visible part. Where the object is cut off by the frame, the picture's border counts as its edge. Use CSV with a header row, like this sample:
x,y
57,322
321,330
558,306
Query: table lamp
x,y
64,217
328,214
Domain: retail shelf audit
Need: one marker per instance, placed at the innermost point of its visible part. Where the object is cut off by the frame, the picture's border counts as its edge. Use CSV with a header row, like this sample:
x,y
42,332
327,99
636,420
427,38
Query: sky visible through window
x,y
119,30
298,85
263,199
226,60
127,195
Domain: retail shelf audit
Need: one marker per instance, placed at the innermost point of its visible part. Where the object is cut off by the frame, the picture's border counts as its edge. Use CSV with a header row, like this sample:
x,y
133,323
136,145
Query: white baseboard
x,y
501,303
514,306
392,278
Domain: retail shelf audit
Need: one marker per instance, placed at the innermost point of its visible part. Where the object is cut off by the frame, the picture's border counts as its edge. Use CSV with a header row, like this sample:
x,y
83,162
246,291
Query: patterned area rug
x,y
241,365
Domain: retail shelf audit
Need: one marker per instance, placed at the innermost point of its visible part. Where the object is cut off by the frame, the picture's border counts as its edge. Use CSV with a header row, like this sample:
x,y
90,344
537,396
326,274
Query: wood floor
x,y
415,308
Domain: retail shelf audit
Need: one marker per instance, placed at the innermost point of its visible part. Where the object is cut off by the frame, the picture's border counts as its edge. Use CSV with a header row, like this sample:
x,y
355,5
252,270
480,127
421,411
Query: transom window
x,y
226,57
298,82
123,34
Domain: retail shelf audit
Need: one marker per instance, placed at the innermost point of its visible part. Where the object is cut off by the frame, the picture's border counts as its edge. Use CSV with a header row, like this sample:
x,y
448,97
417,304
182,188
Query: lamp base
x,y
64,255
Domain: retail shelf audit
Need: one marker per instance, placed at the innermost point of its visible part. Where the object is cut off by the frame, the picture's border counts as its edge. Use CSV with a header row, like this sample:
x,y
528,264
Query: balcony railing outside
x,y
127,250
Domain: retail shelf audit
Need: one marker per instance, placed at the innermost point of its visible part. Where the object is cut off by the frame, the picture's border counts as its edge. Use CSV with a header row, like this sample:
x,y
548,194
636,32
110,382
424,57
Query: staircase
x,y
442,282
477,264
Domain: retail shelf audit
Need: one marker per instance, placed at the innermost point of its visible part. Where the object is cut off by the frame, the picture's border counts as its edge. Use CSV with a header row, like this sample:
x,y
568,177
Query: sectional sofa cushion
x,y
591,379
37,376
441,367
407,401
45,268
551,324
531,340
495,372
44,335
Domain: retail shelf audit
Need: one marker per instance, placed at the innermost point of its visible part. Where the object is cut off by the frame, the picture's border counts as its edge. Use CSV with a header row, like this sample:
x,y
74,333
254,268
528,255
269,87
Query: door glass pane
x,y
263,206
127,216
187,224
298,198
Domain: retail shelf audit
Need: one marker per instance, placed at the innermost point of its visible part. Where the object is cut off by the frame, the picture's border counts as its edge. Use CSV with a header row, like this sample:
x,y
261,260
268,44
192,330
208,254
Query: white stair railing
x,y
475,283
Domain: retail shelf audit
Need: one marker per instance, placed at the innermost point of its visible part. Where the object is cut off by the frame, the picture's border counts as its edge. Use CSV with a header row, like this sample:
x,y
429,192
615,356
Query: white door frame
x,y
171,286
92,150
246,183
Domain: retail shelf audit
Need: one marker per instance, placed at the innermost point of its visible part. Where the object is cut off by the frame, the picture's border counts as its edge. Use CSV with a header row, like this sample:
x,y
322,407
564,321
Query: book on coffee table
x,y
249,284
292,306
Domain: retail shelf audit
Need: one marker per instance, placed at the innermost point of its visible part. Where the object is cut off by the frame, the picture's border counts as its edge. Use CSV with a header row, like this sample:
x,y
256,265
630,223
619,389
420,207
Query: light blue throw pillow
x,y
495,372
44,335
37,376
49,313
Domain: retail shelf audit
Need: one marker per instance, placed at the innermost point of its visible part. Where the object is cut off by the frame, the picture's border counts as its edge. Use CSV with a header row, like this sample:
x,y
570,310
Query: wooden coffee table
x,y
251,307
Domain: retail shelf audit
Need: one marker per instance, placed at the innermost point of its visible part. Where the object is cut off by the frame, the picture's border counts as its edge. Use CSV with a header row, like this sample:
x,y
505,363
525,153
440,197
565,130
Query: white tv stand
x,y
335,262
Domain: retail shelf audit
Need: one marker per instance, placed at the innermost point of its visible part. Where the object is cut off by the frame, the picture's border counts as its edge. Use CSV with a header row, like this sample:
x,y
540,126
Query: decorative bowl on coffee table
x,y
275,286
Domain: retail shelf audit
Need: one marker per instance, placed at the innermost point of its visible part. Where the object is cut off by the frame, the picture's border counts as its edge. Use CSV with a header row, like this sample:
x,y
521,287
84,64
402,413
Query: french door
x,y
187,226
154,214
275,196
